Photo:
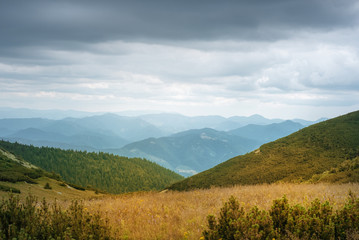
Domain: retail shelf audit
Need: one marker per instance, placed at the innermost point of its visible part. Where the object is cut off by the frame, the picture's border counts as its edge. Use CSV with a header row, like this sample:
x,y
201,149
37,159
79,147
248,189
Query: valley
x,y
133,198
186,145
179,120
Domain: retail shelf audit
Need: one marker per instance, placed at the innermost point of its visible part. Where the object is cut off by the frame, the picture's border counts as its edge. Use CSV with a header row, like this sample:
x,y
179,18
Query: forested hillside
x,y
101,170
327,151
15,171
191,151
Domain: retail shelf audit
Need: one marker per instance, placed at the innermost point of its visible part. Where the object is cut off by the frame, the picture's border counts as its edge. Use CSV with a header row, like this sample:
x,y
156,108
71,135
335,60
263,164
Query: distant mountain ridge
x,y
191,151
326,151
89,133
267,133
194,151
178,123
157,137
99,132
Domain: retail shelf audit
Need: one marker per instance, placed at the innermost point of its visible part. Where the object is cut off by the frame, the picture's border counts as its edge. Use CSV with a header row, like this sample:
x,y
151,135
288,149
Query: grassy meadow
x,y
183,215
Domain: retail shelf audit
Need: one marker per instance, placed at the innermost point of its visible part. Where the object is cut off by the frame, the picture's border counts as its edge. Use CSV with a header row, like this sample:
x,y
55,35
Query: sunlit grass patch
x,y
183,215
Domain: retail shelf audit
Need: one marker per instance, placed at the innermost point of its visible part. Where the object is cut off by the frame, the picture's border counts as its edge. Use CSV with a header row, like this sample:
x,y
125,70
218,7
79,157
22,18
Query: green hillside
x,y
104,171
191,151
326,151
24,179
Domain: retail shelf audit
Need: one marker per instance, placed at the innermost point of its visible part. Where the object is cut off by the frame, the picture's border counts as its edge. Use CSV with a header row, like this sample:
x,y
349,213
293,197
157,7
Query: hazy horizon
x,y
60,114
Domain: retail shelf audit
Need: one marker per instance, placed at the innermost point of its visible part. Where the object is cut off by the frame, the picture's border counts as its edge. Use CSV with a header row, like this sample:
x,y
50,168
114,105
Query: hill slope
x,y
24,179
190,151
327,151
100,170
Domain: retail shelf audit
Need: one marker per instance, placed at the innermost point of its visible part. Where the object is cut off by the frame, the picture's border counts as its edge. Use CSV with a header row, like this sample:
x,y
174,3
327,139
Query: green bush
x,y
283,221
47,186
14,177
33,220
9,189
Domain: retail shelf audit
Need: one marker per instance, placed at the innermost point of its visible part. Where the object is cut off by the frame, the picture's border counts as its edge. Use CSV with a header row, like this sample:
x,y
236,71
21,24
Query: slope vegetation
x,y
22,178
191,151
327,151
101,170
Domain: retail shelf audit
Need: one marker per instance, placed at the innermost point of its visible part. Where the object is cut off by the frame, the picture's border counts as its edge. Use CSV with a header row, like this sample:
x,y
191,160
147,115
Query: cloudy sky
x,y
277,58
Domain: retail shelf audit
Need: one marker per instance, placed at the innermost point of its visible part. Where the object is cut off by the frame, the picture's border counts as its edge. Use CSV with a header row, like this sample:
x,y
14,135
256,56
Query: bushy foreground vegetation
x,y
9,189
40,220
284,221
161,215
183,215
103,171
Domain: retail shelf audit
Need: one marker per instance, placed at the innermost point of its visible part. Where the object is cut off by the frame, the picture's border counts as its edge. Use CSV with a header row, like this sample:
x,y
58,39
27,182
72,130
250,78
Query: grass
x,y
183,215
59,191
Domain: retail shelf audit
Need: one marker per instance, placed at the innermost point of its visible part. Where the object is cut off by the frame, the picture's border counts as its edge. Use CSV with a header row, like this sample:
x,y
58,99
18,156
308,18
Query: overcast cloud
x,y
278,58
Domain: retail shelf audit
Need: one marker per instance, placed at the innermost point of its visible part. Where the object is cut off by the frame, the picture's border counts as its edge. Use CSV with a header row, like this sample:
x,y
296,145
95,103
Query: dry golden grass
x,y
182,215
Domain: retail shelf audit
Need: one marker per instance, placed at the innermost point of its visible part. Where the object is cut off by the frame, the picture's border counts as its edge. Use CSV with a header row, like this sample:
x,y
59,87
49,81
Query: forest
x,y
103,171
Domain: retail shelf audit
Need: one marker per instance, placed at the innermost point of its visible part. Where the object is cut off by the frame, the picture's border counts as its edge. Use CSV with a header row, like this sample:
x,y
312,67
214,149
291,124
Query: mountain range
x,y
323,152
326,151
191,151
202,144
194,151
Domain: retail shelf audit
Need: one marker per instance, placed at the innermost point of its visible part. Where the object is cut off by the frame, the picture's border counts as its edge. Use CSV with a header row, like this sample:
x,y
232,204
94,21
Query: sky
x,y
278,58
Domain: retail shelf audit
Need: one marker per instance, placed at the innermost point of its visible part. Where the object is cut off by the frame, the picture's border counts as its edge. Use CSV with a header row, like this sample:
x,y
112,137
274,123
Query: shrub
x,y
9,189
235,223
283,221
33,220
47,186
15,177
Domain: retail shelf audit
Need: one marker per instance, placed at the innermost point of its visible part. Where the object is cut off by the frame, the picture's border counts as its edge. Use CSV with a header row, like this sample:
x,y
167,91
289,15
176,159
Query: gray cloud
x,y
58,22
193,56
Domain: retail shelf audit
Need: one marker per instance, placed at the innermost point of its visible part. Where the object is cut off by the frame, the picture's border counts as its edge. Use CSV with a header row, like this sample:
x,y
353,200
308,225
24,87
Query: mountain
x,y
174,123
129,128
103,171
177,123
267,133
15,124
307,123
111,131
254,119
90,133
190,151
326,151
90,141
